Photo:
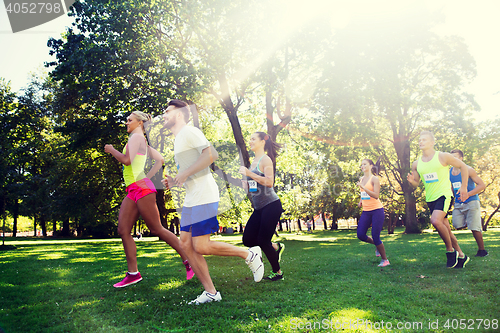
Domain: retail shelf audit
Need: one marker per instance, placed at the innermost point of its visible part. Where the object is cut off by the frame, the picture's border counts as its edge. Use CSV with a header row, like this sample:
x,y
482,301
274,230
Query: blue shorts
x,y
200,220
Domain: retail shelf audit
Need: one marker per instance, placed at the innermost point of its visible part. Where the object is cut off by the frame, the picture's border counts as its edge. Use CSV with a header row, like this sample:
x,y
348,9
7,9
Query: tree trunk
x,y
485,225
392,223
79,228
160,203
298,222
34,225
54,228
43,225
65,228
16,216
232,114
194,113
325,224
402,146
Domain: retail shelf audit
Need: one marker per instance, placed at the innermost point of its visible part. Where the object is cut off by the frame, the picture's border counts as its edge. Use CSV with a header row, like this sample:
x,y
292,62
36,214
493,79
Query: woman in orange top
x,y
373,211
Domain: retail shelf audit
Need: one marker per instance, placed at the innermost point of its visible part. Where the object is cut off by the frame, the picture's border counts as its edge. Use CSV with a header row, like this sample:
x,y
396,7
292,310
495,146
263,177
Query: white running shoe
x,y
255,263
384,263
206,297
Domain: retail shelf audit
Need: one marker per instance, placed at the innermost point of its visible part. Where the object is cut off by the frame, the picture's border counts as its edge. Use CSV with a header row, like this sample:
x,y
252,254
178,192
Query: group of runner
x,y
443,186
193,155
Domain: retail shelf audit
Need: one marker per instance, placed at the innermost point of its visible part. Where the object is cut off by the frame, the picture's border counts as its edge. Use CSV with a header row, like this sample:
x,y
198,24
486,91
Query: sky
x,y
24,53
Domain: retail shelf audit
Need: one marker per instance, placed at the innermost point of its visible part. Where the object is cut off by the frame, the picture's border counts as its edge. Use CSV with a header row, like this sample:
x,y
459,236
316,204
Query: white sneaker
x,y
255,263
206,297
384,263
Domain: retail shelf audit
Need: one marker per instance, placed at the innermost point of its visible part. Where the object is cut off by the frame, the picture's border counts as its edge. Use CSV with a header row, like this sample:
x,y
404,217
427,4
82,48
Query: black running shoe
x,y
481,253
275,277
451,259
462,261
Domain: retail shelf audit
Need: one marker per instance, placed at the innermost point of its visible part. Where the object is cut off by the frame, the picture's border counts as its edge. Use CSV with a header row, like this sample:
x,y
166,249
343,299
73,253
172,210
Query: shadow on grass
x,y
7,247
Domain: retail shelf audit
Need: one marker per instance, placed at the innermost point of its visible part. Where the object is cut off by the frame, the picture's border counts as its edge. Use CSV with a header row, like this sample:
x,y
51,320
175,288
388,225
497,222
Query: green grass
x,y
330,278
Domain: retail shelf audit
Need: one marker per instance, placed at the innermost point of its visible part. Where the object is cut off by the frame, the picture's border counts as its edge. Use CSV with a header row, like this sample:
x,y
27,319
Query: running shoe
x,y
206,297
377,254
128,280
275,276
255,263
281,249
481,253
384,263
189,270
462,262
451,259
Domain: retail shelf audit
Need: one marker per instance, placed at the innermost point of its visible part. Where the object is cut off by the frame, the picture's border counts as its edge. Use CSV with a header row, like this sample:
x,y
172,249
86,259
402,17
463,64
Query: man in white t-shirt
x,y
193,156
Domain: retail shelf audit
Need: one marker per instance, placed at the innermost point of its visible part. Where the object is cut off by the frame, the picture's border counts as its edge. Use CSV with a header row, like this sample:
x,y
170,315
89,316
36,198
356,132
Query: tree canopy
x,y
331,96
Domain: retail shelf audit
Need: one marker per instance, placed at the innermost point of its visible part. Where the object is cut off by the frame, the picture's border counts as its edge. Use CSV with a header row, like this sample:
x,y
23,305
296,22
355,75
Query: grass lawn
x,y
331,282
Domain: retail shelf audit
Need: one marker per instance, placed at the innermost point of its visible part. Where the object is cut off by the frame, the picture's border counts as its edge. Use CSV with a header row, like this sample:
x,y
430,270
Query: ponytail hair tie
x,y
266,137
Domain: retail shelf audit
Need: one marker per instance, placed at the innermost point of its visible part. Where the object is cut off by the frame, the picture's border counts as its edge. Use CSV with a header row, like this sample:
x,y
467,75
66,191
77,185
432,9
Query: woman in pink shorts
x,y
141,196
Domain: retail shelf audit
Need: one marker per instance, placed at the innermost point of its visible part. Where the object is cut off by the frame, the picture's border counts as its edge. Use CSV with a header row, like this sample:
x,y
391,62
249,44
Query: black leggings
x,y
260,229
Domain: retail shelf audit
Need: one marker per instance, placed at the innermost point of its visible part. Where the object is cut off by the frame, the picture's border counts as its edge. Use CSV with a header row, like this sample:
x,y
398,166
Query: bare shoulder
x,y
445,158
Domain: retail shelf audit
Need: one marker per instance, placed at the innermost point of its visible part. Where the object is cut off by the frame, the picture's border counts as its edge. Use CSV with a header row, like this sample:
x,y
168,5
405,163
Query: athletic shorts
x,y
467,215
200,220
140,189
442,204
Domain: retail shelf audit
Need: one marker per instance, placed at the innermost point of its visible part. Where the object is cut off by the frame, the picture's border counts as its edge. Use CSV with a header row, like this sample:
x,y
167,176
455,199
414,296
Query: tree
x,y
7,171
388,81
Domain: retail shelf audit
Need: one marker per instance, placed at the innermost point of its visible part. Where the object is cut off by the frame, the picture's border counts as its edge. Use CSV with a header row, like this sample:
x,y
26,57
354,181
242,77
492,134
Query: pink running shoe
x,y
128,280
377,254
189,270
384,263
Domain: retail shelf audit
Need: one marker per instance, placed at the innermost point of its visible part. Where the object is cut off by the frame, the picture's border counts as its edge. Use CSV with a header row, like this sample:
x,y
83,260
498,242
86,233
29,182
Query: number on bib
x,y
431,177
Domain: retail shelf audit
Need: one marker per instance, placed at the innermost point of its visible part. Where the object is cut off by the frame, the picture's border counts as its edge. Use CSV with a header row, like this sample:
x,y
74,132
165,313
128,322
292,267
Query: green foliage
x,y
386,81
331,97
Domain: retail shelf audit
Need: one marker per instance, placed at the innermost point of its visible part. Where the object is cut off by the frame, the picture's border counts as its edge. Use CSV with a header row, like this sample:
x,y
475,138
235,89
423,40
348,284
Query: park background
x,y
332,88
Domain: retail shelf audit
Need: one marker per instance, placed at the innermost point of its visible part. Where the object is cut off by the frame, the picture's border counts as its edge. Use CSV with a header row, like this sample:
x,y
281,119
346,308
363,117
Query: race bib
x,y
364,196
457,185
431,177
252,186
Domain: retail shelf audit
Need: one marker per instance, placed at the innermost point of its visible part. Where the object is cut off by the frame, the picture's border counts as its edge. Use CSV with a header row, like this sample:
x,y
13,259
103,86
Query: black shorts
x,y
442,203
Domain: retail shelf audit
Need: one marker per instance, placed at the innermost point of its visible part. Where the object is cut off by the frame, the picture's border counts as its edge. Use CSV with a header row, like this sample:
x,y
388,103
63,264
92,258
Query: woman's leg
x,y
149,212
377,226
251,234
126,219
364,223
269,219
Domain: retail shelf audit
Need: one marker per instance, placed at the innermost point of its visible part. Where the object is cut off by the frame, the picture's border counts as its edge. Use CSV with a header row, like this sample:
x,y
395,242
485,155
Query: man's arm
x,y
448,159
207,157
480,186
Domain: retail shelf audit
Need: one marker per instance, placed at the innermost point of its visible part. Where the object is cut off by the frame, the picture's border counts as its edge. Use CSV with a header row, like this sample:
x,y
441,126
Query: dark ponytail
x,y
270,146
375,167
